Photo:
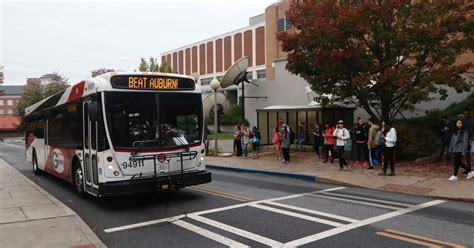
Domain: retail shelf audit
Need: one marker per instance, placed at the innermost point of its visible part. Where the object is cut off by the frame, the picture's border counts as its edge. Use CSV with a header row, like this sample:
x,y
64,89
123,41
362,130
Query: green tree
x,y
33,94
143,65
165,67
385,56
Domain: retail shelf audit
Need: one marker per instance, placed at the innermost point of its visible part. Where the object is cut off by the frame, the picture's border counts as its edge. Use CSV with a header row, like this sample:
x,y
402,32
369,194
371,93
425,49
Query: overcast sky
x,y
76,37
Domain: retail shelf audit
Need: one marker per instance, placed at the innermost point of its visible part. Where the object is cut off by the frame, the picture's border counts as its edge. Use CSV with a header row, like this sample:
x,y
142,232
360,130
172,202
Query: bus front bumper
x,y
154,184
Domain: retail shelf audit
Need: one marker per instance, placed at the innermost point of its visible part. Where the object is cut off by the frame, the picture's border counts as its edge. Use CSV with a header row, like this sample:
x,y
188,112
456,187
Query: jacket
x,y
469,122
391,138
342,136
459,142
360,133
285,139
372,133
318,136
446,131
329,136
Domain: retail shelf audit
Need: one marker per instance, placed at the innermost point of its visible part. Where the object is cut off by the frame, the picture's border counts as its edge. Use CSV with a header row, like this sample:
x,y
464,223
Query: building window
x,y
10,102
1,102
284,25
2,112
9,112
261,74
206,81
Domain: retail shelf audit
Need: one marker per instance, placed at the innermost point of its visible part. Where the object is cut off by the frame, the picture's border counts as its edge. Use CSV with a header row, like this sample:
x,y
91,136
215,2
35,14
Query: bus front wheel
x,y
36,170
79,180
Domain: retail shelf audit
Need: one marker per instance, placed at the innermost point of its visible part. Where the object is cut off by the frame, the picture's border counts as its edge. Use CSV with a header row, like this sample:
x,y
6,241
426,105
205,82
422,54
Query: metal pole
x,y
243,102
215,123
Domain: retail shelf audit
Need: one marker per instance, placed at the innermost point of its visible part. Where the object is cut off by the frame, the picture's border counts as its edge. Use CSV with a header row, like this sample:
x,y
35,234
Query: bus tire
x,y
37,171
78,180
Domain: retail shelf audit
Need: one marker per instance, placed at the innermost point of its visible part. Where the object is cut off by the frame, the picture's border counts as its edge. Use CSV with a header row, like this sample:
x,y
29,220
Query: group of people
x,y
243,136
371,141
458,140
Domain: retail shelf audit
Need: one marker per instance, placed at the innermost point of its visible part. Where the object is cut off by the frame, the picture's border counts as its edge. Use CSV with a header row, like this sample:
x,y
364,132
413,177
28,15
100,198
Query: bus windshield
x,y
144,120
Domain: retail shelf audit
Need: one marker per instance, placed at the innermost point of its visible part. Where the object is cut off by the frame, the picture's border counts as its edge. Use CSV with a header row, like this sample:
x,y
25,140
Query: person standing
x,y
329,142
318,139
446,132
301,138
285,143
245,140
238,140
373,128
276,140
469,122
458,146
360,134
390,137
342,136
256,142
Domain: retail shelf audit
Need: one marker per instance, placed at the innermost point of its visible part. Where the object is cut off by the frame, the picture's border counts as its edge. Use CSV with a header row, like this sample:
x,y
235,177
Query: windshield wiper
x,y
140,147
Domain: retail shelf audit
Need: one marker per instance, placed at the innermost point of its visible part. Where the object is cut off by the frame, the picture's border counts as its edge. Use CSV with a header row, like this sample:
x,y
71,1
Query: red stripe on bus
x,y
77,91
160,150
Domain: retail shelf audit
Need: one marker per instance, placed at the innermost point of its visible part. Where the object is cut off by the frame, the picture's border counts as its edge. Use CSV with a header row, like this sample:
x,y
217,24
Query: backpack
x,y
292,136
378,140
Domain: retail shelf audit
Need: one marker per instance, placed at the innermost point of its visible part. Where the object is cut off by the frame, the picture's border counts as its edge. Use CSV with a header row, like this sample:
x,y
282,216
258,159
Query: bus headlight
x,y
110,167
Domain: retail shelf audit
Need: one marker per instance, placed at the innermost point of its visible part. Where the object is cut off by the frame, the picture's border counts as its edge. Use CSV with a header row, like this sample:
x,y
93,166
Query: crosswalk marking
x,y
355,201
235,230
367,199
296,215
142,224
208,234
310,211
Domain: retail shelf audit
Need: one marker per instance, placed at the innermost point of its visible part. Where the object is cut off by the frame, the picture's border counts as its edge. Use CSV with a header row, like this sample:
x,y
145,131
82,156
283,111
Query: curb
x,y
300,176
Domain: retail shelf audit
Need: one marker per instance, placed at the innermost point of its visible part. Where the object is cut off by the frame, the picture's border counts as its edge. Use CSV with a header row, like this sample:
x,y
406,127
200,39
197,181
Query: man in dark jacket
x,y
360,134
469,122
446,131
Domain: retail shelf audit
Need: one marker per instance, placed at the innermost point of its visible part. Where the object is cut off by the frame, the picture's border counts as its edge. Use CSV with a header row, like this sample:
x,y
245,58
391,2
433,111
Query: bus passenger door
x,y
90,173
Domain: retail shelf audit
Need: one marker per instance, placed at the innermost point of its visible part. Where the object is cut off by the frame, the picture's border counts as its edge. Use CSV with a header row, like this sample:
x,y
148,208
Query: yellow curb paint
x,y
220,194
409,240
425,238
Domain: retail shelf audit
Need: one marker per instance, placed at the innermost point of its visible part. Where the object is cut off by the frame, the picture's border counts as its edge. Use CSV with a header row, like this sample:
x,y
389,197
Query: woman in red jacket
x,y
329,142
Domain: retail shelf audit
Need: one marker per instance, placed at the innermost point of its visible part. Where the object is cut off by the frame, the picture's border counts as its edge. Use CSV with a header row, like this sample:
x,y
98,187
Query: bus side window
x,y
39,127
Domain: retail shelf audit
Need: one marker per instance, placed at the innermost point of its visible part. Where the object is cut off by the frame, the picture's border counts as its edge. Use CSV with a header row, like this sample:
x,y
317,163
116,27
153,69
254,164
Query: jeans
x,y
245,149
238,147
286,154
342,161
299,143
444,145
388,157
378,155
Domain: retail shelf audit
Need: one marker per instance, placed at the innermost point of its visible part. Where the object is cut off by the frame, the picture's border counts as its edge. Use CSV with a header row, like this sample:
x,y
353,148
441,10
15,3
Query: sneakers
x,y
345,168
356,163
470,175
453,178
365,164
382,173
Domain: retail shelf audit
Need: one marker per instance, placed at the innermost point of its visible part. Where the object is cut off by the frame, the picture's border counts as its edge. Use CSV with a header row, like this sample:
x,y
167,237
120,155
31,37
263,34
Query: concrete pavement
x,y
31,217
411,179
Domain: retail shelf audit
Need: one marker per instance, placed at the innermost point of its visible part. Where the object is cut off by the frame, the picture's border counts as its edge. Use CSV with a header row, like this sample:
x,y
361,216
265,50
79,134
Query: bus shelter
x,y
305,115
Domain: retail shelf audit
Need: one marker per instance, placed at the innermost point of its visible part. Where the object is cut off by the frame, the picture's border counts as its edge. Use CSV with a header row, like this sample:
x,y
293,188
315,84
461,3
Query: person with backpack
x,y
329,142
373,128
318,139
342,137
285,143
458,147
390,137
255,142
446,132
360,133
238,140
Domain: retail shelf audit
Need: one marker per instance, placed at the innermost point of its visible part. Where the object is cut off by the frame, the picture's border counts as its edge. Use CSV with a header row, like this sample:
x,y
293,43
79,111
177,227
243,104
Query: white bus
x,y
120,133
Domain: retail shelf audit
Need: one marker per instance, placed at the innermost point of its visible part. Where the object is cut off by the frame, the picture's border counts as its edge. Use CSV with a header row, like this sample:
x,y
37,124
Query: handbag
x,y
347,144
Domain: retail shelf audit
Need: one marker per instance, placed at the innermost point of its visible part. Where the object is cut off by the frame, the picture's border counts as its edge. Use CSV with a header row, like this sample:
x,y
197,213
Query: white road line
x,y
153,222
365,222
333,216
368,199
354,201
235,230
208,234
297,215
142,224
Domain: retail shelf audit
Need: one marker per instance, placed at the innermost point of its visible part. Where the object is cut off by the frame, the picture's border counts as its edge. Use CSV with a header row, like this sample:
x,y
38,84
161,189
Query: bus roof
x,y
98,84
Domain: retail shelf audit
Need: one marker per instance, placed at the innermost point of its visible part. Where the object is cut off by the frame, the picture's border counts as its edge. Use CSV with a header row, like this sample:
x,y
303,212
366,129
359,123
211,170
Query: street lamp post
x,y
215,85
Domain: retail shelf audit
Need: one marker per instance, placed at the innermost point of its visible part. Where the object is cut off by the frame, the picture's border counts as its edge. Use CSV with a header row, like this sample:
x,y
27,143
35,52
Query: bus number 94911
x,y
133,164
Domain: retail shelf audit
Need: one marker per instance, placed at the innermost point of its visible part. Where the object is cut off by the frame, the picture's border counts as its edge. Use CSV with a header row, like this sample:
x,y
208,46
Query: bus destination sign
x,y
151,82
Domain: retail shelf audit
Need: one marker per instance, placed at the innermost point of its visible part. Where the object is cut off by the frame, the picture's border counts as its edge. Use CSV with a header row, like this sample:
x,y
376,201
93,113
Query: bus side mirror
x,y
93,109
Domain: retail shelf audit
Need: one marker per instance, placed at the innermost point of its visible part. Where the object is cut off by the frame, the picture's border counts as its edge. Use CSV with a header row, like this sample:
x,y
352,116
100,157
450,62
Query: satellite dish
x,y
236,73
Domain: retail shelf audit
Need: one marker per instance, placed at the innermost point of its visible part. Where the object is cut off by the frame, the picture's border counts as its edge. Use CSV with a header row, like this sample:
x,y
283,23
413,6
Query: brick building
x,y
210,59
8,101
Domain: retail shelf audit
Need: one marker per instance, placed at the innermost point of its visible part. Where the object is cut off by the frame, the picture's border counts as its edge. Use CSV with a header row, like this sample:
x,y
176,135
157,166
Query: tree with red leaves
x,y
383,55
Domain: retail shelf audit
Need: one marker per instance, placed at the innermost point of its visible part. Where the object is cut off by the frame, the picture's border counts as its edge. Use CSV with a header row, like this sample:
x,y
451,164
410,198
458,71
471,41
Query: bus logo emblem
x,y
161,158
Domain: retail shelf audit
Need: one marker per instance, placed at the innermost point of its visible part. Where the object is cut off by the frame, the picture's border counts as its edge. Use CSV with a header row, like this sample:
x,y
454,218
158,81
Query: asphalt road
x,y
260,211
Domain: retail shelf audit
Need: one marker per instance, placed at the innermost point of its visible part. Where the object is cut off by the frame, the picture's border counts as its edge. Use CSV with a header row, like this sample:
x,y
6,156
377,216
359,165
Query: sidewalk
x,y
422,178
31,217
